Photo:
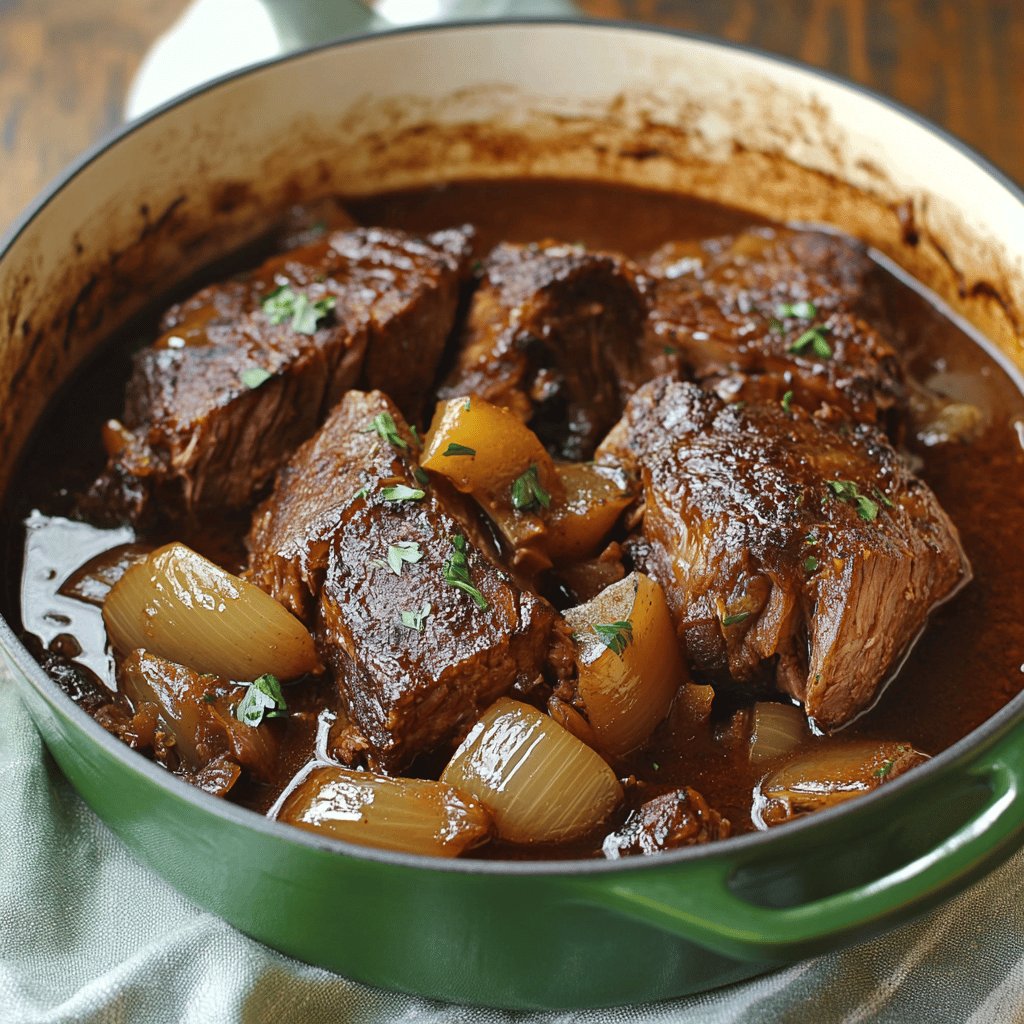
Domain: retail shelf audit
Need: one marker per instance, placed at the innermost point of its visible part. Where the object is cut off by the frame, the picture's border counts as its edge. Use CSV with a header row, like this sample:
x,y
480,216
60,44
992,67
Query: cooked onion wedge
x,y
484,450
825,778
182,607
595,497
411,815
540,783
778,730
630,667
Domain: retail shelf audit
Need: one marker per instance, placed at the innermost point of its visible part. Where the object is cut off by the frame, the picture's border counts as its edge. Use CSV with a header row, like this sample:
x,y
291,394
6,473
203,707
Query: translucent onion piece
x,y
595,497
540,783
182,607
827,777
627,695
410,815
93,581
778,730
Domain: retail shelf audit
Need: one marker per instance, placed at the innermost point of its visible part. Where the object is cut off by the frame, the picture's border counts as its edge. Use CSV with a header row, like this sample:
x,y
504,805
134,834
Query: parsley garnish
x,y
884,499
458,449
456,571
883,769
415,435
384,424
403,551
527,492
846,490
465,408
361,493
801,310
810,563
813,338
401,493
787,398
736,619
263,699
421,475
255,376
284,304
417,618
616,636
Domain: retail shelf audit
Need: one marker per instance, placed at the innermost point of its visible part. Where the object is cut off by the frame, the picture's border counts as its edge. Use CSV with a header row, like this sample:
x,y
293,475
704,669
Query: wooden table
x,y
65,65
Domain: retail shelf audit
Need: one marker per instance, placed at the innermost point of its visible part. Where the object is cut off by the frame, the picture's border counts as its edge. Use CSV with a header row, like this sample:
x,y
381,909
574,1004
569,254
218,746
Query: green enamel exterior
x,y
557,935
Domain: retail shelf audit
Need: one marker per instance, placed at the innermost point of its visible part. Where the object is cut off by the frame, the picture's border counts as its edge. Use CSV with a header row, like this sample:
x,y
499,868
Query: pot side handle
x,y
707,910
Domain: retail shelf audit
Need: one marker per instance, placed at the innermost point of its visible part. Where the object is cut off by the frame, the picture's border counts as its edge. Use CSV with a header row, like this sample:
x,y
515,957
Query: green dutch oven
x,y
610,102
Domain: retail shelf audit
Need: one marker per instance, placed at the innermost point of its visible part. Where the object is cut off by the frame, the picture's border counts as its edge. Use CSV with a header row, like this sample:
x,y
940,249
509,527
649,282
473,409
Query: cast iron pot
x,y
608,102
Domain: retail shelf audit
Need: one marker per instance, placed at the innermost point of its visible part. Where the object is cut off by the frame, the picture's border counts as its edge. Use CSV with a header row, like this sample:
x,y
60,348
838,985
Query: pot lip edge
x,y
29,669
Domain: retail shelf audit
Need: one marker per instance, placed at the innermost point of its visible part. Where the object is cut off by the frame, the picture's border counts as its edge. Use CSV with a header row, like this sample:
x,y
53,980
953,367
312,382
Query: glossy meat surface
x,y
226,393
773,310
415,658
792,553
554,333
680,817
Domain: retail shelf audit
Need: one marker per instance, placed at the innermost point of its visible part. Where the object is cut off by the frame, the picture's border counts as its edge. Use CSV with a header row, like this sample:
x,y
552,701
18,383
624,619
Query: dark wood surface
x,y
65,65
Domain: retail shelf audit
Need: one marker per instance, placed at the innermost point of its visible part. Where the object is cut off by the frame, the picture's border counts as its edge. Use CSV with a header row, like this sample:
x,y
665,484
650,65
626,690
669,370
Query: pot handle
x,y
711,913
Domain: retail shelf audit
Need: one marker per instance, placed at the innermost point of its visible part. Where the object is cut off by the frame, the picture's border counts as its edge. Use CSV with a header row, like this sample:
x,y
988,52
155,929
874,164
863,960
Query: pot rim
x,y
22,660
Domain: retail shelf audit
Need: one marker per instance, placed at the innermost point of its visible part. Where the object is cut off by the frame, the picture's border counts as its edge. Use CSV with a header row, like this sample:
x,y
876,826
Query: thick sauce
x,y
967,665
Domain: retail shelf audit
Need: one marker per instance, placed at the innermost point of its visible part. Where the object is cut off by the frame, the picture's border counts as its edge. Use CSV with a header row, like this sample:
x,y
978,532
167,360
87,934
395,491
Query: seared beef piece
x,y
320,544
555,334
719,313
680,817
789,549
204,427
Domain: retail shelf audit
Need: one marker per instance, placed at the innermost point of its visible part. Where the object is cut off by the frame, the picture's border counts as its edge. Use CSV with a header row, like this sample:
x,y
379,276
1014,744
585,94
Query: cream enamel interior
x,y
602,102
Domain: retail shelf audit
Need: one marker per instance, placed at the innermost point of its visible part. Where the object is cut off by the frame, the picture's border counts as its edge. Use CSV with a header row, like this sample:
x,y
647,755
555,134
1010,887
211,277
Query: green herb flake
x,y
846,491
616,636
384,425
811,564
811,538
399,492
883,769
415,435
417,618
787,399
209,698
263,699
421,475
466,407
402,552
669,350
656,766
255,376
528,493
800,310
735,619
883,499
361,493
458,449
814,339
456,572
285,304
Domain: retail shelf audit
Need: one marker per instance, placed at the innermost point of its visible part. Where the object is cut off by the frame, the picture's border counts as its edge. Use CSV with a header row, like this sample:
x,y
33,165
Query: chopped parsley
x,y
402,552
285,304
527,492
616,636
787,398
735,619
458,449
456,572
883,769
814,339
846,490
361,493
811,563
465,408
384,425
883,498
399,492
421,475
417,618
263,699
801,310
255,376
415,435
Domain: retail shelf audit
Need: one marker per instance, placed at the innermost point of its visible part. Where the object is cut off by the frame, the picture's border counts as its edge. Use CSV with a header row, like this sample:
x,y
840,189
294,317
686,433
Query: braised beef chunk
x,y
680,817
247,370
351,535
791,551
554,333
771,311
